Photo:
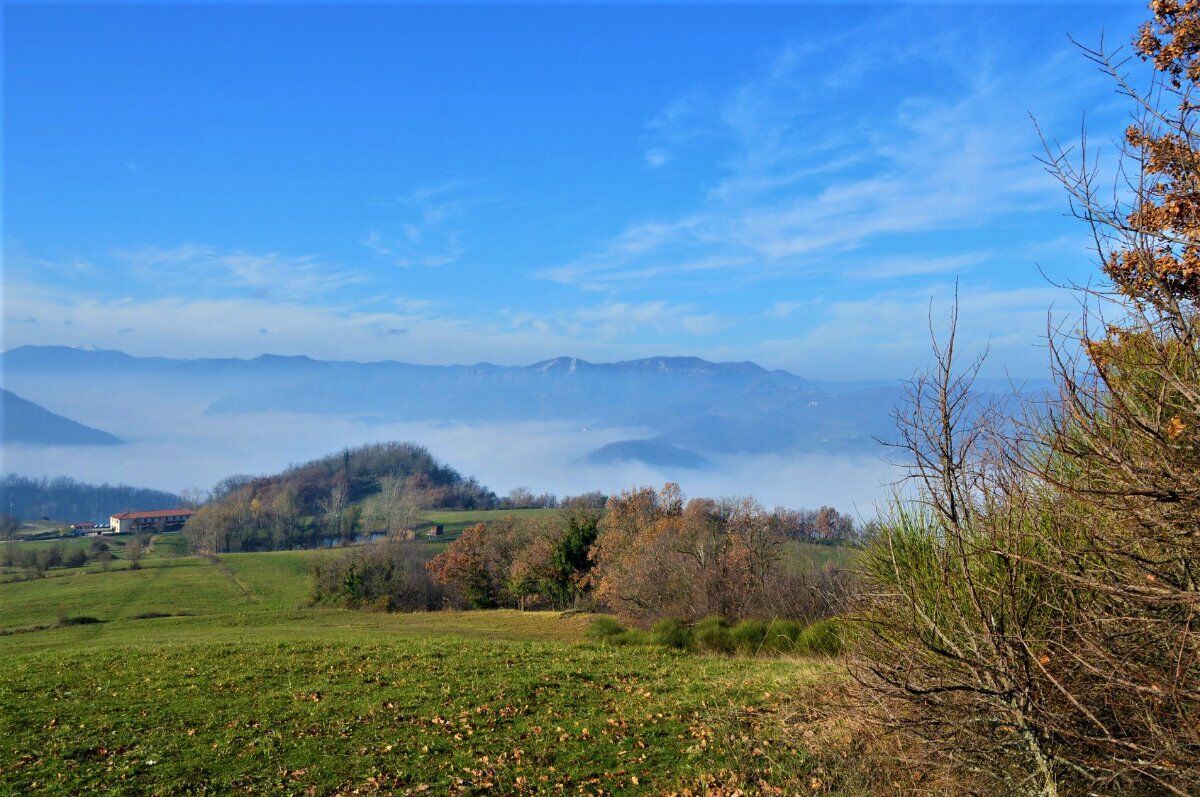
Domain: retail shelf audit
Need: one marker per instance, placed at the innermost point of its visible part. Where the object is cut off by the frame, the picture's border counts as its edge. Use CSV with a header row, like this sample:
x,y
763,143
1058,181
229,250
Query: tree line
x,y
644,555
68,500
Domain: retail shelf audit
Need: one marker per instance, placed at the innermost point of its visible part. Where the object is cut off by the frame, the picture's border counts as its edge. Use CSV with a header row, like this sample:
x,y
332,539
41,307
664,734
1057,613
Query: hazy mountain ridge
x,y
690,407
651,452
24,422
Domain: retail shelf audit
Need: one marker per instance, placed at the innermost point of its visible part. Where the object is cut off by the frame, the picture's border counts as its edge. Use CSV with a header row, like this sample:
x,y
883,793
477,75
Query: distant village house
x,y
154,520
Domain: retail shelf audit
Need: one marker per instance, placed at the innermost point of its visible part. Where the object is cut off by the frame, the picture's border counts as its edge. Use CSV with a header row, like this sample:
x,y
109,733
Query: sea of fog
x,y
173,445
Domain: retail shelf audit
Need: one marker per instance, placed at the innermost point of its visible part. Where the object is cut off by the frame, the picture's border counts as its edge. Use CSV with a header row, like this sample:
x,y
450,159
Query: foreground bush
x,y
672,633
748,637
1034,613
715,634
712,633
822,638
607,630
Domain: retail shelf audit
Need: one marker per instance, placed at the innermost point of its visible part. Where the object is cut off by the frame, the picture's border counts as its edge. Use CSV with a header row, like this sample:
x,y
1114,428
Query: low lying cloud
x,y
173,446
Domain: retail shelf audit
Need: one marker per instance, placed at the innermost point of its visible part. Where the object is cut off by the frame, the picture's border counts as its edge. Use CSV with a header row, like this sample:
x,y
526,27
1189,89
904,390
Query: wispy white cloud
x,y
618,321
910,265
656,157
805,182
199,268
423,233
413,330
782,310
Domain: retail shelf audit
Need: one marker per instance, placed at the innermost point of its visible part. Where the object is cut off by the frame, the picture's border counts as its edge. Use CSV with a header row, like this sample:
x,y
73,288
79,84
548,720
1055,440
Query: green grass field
x,y
33,528
163,546
802,551
460,519
213,676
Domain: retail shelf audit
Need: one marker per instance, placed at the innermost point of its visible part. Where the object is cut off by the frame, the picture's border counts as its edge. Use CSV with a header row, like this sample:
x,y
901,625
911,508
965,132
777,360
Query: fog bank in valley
x,y
172,446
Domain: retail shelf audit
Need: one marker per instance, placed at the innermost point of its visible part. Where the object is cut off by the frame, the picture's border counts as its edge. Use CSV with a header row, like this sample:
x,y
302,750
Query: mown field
x,y
212,675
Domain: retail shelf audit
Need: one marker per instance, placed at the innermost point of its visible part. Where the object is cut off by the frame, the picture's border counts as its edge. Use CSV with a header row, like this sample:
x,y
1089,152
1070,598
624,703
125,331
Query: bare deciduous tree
x,y
333,507
1035,613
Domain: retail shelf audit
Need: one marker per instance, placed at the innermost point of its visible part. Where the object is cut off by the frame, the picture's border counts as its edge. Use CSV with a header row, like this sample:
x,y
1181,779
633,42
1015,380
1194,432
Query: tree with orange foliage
x,y
477,564
661,556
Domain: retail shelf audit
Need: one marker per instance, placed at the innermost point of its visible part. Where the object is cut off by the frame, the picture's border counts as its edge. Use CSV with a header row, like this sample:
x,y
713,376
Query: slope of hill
x,y
194,662
306,505
22,421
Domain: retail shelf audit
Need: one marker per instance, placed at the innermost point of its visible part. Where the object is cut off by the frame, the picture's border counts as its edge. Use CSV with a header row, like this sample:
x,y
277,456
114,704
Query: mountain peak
x,y
564,364
55,349
660,364
57,357
695,365
267,357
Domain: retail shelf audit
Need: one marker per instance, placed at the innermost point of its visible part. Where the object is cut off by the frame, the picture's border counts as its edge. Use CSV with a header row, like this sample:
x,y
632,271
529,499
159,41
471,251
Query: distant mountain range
x,y
689,407
22,421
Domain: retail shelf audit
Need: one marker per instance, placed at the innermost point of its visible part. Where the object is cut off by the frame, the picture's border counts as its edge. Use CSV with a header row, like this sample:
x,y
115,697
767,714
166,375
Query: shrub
x,y
646,565
387,575
712,633
673,633
781,636
822,638
634,636
79,620
76,558
609,631
605,628
748,636
48,557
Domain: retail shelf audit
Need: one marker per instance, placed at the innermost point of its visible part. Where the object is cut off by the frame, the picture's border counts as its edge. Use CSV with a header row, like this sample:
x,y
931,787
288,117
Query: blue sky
x,y
787,184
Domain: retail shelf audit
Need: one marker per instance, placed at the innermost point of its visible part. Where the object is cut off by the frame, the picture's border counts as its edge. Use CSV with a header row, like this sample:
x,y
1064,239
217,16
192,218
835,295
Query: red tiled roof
x,y
153,514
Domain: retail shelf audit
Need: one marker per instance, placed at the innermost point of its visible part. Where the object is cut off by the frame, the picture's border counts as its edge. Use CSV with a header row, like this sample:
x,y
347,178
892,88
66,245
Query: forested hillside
x,y
311,503
68,500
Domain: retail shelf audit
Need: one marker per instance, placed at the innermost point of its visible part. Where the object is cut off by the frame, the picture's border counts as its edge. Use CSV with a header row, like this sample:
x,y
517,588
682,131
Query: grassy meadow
x,y
202,674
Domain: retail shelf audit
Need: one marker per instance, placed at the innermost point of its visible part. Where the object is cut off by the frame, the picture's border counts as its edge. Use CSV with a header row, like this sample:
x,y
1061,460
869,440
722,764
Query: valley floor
x,y
211,676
